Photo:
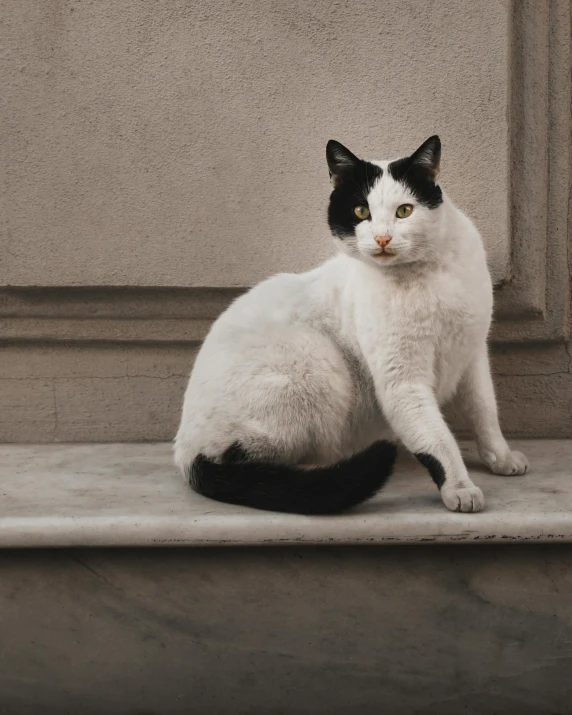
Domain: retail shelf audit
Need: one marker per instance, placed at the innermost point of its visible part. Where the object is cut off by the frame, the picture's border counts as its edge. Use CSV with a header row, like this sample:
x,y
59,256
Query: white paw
x,y
510,463
466,499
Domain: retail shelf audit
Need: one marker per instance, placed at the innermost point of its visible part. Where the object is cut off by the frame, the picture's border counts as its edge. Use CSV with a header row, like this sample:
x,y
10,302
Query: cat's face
x,y
386,213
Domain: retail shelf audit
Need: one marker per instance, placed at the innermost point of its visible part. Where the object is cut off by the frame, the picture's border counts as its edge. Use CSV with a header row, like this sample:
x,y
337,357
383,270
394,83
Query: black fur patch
x,y
239,479
434,467
419,171
415,179
353,180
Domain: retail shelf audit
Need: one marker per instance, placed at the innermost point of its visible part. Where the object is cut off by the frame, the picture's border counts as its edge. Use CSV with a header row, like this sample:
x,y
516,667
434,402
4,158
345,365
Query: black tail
x,y
323,490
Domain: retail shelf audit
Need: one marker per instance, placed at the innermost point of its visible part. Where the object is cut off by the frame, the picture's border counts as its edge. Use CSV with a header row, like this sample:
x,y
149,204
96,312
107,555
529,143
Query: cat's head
x,y
386,212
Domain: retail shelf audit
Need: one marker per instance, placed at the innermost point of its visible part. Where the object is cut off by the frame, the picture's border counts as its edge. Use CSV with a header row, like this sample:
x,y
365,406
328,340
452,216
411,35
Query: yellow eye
x,y
404,210
362,212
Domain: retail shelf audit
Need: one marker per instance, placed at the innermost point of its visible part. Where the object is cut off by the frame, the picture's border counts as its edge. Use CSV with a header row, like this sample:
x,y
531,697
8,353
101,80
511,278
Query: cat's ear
x,y
340,161
428,157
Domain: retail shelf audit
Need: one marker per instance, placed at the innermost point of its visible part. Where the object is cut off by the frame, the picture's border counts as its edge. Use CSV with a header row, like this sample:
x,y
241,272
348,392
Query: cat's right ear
x,y
428,156
341,161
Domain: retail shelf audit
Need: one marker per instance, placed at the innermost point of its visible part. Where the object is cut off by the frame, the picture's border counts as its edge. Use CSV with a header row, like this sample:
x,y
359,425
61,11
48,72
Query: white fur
x,y
310,368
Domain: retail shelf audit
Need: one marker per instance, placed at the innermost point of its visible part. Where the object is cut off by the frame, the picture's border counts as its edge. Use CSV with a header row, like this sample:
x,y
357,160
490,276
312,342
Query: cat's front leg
x,y
413,412
479,403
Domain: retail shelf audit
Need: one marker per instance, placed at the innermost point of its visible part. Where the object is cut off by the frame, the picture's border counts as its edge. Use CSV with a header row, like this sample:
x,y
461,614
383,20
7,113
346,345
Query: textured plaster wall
x,y
182,143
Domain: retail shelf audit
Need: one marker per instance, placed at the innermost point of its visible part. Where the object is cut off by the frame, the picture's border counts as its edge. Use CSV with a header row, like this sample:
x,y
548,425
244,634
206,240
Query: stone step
x,y
65,495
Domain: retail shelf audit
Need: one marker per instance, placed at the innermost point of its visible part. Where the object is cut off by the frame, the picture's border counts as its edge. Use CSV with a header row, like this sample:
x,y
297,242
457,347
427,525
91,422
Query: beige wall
x,y
124,123
183,143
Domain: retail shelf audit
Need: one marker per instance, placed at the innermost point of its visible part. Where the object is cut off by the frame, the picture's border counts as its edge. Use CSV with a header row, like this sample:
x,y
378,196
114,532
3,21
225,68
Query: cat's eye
x,y
404,210
362,212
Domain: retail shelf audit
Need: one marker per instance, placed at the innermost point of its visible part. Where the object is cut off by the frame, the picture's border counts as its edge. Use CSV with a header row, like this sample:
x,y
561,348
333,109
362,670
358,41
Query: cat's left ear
x,y
428,157
341,161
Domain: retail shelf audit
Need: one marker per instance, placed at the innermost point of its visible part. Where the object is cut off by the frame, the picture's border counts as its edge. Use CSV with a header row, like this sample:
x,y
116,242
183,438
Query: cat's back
x,y
285,300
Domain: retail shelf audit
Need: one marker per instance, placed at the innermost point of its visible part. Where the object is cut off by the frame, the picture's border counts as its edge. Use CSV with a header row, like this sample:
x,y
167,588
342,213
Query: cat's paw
x,y
508,463
466,499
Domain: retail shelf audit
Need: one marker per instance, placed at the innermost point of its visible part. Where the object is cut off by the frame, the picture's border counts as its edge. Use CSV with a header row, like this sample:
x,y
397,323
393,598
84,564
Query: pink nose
x,y
382,240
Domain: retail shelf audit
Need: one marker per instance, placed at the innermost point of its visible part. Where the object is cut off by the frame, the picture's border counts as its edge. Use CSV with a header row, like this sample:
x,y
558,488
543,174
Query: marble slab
x,y
131,495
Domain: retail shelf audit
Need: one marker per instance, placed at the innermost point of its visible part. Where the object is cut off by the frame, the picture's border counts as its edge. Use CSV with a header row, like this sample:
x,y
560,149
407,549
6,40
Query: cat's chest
x,y
436,310
436,328
445,318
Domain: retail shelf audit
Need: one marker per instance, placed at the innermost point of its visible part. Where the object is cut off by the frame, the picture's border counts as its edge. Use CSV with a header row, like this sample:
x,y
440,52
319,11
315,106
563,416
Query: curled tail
x,y
237,479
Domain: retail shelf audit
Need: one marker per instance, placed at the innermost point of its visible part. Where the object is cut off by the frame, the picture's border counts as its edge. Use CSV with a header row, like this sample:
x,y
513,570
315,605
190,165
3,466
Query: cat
x,y
306,383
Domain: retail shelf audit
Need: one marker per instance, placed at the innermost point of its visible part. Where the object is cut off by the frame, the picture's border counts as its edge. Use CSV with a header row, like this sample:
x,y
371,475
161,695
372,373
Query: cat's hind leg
x,y
298,400
286,400
289,404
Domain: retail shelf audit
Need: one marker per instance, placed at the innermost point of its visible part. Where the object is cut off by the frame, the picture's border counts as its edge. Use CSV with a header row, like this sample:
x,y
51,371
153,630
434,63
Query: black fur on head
x,y
352,179
419,173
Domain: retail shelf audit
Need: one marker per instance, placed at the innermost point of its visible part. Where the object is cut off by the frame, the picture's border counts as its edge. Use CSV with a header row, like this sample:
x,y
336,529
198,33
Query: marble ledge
x,y
131,495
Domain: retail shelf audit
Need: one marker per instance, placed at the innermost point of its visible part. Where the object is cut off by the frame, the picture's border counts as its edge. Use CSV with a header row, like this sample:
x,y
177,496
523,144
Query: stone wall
x,y
327,631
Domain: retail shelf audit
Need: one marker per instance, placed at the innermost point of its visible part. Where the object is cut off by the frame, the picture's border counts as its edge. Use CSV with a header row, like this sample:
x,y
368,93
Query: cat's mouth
x,y
385,253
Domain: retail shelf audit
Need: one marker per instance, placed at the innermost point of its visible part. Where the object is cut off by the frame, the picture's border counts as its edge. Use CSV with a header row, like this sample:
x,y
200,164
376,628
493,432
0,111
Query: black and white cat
x,y
304,385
